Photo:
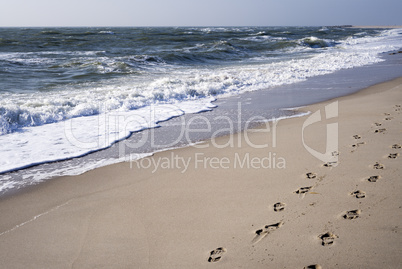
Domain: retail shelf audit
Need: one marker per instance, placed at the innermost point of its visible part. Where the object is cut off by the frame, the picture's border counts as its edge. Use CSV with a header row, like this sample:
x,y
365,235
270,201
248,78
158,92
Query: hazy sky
x,y
199,12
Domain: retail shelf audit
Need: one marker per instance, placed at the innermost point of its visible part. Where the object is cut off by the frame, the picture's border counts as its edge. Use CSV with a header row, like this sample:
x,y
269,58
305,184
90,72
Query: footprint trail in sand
x,y
216,254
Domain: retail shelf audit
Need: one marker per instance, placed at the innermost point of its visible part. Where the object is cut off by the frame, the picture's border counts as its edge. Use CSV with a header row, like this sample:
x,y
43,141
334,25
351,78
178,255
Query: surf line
x,y
34,218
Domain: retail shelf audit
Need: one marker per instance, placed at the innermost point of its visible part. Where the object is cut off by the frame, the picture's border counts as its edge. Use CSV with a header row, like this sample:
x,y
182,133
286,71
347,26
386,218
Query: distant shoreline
x,y
366,26
376,26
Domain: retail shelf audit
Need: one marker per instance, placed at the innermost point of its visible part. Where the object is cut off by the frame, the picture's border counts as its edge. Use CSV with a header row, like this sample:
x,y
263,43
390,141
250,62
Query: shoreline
x,y
225,207
314,89
346,82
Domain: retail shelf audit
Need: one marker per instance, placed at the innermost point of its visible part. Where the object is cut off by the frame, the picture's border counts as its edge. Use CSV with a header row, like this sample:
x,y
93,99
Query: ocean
x,y
69,95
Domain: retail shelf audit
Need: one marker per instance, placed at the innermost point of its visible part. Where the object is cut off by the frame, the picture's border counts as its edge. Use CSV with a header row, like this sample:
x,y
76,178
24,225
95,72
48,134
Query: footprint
x,y
269,228
311,175
327,238
303,190
377,124
216,254
357,137
279,207
359,194
358,144
330,164
380,130
373,178
261,233
313,266
393,155
353,214
387,114
378,166
396,146
388,118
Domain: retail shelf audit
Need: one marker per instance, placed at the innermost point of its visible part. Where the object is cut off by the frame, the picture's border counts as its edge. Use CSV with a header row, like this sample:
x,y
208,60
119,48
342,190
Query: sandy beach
x,y
258,199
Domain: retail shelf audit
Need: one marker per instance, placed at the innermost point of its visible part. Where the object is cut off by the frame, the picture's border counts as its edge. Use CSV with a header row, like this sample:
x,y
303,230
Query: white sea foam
x,y
81,135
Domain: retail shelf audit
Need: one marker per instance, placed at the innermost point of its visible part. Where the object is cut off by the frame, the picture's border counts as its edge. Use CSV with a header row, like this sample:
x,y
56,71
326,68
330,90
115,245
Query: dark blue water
x,y
48,59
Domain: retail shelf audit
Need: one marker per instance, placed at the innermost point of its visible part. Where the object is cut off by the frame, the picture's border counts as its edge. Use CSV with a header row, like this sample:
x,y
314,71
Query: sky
x,y
199,12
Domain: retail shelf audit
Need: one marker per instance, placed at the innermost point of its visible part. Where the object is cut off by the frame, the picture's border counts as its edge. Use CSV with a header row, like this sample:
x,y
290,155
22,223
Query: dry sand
x,y
224,215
